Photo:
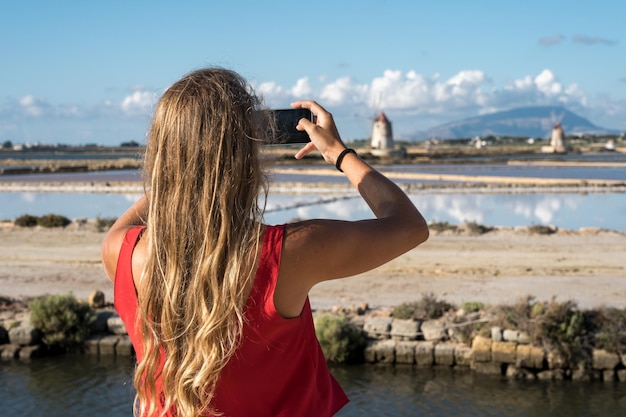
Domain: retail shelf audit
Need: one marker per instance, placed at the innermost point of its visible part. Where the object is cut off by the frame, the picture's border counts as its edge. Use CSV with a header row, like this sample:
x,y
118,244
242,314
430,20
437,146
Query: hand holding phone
x,y
286,121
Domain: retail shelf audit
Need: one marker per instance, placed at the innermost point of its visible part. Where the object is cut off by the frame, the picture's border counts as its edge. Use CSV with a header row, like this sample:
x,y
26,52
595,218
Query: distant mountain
x,y
526,122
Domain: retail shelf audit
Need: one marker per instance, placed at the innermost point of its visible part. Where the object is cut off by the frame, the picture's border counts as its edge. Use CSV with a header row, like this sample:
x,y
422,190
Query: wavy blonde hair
x,y
203,179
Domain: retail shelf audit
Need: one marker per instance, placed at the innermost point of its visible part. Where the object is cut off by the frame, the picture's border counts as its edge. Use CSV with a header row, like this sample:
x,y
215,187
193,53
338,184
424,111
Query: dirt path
x,y
497,267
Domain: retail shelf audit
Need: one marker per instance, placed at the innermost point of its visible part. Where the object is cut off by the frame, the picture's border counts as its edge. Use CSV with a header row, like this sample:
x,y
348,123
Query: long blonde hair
x,y
203,179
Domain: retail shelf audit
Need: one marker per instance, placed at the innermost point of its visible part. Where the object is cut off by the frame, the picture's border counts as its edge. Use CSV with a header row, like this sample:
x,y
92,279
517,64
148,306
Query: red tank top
x,y
279,368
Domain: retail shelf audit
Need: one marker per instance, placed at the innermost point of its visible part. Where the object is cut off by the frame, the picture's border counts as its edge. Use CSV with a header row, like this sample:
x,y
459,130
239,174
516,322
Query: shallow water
x,y
564,210
91,386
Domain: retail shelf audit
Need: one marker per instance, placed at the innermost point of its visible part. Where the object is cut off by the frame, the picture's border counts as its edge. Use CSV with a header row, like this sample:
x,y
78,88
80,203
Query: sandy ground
x,y
588,267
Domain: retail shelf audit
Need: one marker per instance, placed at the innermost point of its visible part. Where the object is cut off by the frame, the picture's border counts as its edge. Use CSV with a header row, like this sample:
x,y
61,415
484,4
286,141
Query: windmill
x,y
557,136
381,141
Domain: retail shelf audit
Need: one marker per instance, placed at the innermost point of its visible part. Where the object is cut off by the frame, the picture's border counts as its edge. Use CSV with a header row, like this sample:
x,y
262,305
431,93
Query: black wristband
x,y
340,158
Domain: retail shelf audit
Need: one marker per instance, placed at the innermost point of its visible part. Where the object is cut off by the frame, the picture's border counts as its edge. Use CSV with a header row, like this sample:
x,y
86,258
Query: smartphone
x,y
286,121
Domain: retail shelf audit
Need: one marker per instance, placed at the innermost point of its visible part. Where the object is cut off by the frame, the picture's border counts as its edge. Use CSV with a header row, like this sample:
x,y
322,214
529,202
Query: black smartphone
x,y
286,121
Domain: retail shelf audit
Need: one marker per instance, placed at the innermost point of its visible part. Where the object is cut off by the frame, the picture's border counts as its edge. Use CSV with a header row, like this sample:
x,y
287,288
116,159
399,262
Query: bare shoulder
x,y
110,249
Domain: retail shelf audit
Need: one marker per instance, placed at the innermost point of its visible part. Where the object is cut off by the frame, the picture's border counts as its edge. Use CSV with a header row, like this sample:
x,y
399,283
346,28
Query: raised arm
x,y
319,250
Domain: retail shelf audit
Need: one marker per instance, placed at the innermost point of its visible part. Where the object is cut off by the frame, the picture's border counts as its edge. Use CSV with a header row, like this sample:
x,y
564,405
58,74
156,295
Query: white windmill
x,y
557,136
382,133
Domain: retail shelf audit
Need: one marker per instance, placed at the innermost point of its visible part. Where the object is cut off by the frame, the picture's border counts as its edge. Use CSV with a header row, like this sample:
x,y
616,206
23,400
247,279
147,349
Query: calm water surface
x,y
91,386
565,210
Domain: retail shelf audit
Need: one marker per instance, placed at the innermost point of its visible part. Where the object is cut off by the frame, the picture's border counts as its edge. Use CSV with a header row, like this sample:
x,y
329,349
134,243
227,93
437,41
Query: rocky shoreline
x,y
495,266
390,341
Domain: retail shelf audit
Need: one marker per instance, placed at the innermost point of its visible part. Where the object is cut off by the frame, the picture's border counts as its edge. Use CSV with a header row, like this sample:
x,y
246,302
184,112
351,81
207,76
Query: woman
x,y
215,302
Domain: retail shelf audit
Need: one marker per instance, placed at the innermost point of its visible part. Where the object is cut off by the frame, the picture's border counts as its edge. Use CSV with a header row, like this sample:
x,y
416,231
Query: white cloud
x,y
547,83
413,101
466,93
32,106
139,102
302,89
343,92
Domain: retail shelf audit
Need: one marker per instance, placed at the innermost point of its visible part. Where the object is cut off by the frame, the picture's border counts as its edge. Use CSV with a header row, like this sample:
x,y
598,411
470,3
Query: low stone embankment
x,y
390,342
19,339
507,352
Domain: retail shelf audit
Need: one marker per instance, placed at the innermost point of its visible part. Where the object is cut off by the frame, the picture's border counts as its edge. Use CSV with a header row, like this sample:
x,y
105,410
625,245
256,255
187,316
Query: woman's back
x,y
197,265
258,380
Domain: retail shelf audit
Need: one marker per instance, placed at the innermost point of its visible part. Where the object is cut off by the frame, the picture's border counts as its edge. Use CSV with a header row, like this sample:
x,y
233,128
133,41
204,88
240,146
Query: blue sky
x,y
79,72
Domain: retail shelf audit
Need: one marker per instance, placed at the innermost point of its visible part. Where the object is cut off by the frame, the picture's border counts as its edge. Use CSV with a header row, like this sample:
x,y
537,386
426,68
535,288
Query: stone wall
x,y
506,352
20,340
390,341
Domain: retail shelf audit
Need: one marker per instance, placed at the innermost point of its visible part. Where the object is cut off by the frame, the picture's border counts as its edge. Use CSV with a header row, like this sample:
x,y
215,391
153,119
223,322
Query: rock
x,y
518,373
124,347
383,351
100,323
405,352
463,355
433,330
97,299
25,334
378,327
424,353
481,349
404,329
115,325
444,354
496,334
28,352
362,309
608,375
9,352
603,360
551,375
91,344
107,345
487,368
555,360
530,357
581,373
523,338
369,353
503,352
510,336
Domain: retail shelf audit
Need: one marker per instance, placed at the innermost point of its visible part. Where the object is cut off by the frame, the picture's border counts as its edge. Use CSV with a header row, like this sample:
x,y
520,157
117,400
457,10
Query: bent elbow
x,y
419,231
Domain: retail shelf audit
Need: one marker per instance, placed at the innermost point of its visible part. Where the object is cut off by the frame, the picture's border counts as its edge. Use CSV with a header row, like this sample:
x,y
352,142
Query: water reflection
x,y
565,210
408,391
85,385
67,386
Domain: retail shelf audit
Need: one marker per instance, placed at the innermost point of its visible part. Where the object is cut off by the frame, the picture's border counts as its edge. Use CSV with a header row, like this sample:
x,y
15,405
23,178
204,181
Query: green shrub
x,y
429,307
26,220
62,319
609,327
474,228
539,229
553,325
473,306
341,341
441,226
104,223
516,316
53,220
563,327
